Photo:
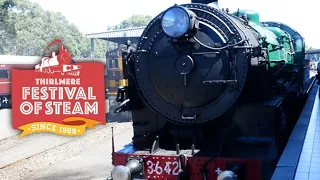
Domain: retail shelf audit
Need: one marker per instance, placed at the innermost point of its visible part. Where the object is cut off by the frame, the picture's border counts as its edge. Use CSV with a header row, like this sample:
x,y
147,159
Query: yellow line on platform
x,y
5,82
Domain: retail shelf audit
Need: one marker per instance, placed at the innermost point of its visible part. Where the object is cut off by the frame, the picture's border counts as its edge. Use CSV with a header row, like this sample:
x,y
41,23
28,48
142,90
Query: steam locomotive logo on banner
x,y
60,63
59,96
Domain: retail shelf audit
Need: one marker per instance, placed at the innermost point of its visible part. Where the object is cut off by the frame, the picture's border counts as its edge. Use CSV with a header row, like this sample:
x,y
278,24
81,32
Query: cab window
x,y
299,45
4,74
113,63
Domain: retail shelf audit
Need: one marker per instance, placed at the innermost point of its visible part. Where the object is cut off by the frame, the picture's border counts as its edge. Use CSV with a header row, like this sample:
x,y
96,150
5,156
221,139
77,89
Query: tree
x,y
308,48
26,29
133,21
7,31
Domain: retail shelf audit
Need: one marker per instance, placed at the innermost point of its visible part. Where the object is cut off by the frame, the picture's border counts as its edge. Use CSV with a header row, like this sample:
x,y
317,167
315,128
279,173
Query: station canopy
x,y
119,36
313,51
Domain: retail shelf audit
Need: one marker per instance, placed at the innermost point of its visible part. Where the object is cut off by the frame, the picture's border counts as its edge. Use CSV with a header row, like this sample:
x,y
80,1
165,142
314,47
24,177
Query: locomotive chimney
x,y
213,3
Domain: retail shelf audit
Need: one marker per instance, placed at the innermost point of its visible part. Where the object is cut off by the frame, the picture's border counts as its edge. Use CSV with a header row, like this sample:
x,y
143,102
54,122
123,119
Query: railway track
x,y
20,141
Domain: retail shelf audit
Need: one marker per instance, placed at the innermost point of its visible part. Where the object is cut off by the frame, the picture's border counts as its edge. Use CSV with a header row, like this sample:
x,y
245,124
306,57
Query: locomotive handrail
x,y
193,53
219,48
121,107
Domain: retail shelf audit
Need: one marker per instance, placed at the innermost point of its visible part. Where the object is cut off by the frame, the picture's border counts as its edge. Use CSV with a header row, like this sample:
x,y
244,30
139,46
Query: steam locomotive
x,y
213,95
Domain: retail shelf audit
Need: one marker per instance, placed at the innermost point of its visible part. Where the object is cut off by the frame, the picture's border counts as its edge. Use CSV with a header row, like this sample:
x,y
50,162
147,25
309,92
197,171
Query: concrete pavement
x,y
6,129
50,156
92,164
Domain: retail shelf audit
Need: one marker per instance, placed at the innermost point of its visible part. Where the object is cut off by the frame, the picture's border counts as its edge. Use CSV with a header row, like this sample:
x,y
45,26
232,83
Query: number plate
x,y
162,168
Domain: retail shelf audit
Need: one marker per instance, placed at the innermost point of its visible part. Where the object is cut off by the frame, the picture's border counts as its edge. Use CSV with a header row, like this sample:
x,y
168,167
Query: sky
x,y
93,16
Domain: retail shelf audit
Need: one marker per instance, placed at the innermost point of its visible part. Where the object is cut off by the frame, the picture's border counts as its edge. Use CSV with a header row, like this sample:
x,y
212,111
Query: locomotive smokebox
x,y
204,1
194,69
213,3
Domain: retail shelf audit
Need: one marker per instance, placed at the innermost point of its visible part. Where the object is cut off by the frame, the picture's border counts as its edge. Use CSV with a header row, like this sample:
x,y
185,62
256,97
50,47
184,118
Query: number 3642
x,y
170,168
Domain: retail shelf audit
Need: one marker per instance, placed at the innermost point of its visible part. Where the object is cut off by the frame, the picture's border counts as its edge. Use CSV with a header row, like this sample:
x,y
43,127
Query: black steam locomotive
x,y
213,94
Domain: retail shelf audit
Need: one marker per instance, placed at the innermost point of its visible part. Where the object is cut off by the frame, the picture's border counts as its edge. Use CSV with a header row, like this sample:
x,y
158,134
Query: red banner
x,y
58,97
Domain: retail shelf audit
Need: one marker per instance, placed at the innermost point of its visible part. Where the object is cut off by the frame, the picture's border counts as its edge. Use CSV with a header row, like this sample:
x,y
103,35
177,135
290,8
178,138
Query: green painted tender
x,y
278,43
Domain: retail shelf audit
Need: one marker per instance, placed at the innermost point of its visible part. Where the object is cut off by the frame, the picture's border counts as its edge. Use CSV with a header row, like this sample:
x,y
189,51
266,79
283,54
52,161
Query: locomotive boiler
x,y
213,94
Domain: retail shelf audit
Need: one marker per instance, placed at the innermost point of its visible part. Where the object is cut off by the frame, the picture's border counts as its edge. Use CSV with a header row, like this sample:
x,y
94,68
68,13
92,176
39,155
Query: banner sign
x,y
58,96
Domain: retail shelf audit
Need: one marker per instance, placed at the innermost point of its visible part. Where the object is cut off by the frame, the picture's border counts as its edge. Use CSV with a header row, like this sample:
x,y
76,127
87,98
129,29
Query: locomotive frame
x,y
259,120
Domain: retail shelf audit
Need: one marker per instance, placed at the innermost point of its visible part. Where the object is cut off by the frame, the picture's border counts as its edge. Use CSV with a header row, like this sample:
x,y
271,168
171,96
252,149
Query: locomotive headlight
x,y
177,21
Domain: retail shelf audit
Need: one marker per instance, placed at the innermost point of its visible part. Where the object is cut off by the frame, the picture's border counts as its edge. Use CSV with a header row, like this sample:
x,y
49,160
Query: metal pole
x,y
92,48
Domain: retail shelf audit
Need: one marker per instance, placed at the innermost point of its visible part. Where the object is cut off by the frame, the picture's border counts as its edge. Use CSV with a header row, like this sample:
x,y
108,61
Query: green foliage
x,y
26,29
133,21
6,28
308,48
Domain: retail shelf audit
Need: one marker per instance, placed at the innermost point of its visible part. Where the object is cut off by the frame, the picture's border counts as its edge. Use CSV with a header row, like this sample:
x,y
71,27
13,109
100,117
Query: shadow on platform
x,y
119,118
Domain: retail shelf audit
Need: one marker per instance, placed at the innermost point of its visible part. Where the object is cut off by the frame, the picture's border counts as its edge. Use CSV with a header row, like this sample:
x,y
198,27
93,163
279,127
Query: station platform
x,y
308,167
300,159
